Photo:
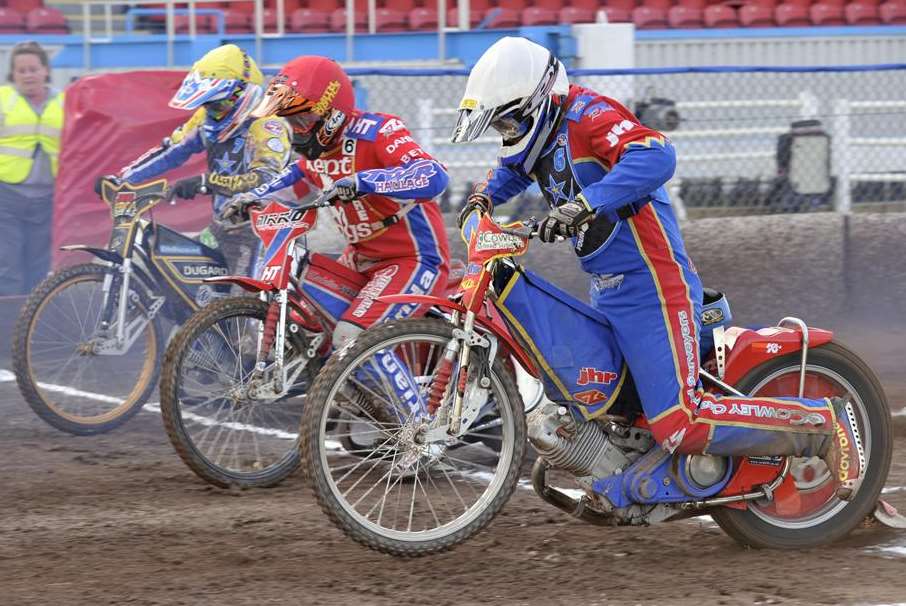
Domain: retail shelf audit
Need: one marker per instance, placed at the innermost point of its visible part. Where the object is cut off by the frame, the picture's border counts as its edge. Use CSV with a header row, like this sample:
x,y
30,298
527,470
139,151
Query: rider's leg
x,y
655,312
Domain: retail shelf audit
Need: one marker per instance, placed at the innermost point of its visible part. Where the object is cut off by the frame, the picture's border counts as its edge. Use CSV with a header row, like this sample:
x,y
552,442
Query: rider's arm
x,y
269,146
503,184
408,172
172,152
640,159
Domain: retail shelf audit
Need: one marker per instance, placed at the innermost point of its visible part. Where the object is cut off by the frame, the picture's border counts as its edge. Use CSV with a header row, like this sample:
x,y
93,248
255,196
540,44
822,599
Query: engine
x,y
585,449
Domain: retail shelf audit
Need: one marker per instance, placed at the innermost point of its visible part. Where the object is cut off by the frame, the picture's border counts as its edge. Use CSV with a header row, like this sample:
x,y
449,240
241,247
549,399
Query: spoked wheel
x,y
819,517
404,489
222,415
66,362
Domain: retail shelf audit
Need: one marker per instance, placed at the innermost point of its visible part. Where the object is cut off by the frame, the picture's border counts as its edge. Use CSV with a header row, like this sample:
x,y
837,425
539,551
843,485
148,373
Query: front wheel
x,y
403,493
222,415
69,366
832,370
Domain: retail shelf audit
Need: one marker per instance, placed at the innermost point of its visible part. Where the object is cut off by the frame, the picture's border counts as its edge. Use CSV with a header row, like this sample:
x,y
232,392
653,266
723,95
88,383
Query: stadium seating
x,y
475,17
576,14
11,21
46,21
390,20
326,6
617,14
649,17
422,18
858,13
685,17
893,13
403,5
720,16
792,15
23,7
540,16
306,20
661,4
237,22
338,21
591,5
756,15
626,5
503,17
825,13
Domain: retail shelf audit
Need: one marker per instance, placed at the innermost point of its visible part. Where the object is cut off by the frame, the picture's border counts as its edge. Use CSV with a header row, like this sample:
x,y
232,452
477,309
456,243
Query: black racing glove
x,y
190,187
344,190
99,183
476,201
566,220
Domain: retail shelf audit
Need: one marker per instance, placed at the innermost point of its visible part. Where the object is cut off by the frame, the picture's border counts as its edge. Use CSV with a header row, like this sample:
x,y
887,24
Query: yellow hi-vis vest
x,y
21,130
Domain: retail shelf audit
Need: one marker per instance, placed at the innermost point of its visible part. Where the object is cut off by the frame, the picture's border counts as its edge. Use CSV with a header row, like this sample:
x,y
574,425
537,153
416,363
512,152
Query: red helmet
x,y
315,95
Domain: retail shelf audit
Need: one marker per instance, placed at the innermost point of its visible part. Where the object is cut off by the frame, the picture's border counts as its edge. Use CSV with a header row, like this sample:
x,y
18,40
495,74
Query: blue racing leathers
x,y
647,287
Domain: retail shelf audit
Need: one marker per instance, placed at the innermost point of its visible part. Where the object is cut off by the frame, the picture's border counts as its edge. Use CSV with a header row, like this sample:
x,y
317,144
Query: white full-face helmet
x,y
513,88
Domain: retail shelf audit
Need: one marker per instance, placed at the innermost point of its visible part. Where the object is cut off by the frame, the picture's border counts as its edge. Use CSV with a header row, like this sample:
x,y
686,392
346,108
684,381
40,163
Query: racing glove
x,y
237,208
476,201
344,190
190,187
566,220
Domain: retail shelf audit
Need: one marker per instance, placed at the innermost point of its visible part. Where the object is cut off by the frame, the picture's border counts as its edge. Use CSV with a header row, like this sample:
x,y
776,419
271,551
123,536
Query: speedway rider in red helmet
x,y
381,181
602,173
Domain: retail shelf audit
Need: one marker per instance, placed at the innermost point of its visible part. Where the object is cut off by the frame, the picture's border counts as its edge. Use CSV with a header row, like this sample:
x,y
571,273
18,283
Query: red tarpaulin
x,y
109,121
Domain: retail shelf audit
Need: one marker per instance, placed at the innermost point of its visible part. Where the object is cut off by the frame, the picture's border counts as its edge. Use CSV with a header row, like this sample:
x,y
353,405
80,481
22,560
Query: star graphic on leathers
x,y
224,163
555,189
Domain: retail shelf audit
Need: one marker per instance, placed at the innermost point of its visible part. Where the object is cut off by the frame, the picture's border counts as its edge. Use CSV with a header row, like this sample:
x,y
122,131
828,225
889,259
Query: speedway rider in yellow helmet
x,y
222,88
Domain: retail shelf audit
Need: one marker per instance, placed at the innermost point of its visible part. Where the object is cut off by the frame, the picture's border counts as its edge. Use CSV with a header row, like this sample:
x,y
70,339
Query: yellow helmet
x,y
228,82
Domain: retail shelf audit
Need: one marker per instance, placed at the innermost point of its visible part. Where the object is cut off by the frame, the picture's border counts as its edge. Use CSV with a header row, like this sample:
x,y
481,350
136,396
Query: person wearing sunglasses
x,y
222,89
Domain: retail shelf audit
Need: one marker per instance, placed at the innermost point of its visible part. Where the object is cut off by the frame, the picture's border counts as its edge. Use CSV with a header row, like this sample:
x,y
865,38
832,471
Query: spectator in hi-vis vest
x,y
31,120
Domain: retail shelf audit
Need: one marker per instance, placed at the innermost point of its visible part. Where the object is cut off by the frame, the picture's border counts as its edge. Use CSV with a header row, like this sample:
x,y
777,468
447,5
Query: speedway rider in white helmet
x,y
602,173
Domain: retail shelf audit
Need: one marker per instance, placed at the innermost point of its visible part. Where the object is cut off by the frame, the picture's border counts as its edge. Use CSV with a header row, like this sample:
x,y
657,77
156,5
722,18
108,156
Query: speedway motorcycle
x,y
97,327
236,374
426,484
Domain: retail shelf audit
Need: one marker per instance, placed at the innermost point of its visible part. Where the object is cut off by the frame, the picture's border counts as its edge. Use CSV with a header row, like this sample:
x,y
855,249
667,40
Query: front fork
x,y
465,349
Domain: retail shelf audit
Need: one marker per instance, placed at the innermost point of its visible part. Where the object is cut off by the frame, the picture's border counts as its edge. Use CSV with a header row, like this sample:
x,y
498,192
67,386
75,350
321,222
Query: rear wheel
x,y
217,410
63,355
399,490
821,517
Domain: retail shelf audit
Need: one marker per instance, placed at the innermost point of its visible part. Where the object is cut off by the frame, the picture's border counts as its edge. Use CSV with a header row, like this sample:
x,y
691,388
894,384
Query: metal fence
x,y
749,139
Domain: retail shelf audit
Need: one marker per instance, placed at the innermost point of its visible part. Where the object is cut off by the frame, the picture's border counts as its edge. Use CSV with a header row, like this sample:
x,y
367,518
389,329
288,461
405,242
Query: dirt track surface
x,y
118,519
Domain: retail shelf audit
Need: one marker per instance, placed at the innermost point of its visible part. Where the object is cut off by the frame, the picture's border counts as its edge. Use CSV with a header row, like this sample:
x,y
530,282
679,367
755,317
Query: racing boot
x,y
845,453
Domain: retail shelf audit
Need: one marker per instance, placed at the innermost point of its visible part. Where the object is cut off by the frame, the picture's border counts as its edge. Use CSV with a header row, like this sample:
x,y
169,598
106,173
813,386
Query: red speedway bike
x,y
427,484
235,377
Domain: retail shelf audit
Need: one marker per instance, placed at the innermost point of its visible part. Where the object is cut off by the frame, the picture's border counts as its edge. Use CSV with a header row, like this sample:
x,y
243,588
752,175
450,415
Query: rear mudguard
x,y
748,348
244,282
487,320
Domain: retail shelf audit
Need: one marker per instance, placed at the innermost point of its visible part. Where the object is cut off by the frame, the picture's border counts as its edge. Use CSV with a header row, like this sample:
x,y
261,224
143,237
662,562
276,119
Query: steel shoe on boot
x,y
845,456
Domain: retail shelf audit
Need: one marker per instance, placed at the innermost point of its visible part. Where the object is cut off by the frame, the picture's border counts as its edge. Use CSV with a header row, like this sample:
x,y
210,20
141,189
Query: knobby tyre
x,y
416,342
64,383
832,370
224,439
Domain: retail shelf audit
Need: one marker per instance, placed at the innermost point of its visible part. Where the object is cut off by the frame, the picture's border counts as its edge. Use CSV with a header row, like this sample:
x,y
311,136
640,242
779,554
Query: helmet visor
x,y
303,122
471,124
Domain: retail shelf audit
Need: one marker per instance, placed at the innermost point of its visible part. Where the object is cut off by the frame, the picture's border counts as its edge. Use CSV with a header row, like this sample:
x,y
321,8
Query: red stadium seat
x,y
591,5
338,21
647,17
662,4
204,24
827,14
791,15
858,13
237,22
482,5
685,17
421,19
575,14
720,16
306,20
475,17
617,15
504,17
11,22
390,20
893,13
403,5
756,15
692,3
802,3
535,15
326,6
46,21
626,5
839,3
24,6
869,2
516,5
554,5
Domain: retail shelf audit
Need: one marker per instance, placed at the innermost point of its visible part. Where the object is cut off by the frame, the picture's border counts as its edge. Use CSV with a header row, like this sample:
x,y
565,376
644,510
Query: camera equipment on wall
x,y
658,113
